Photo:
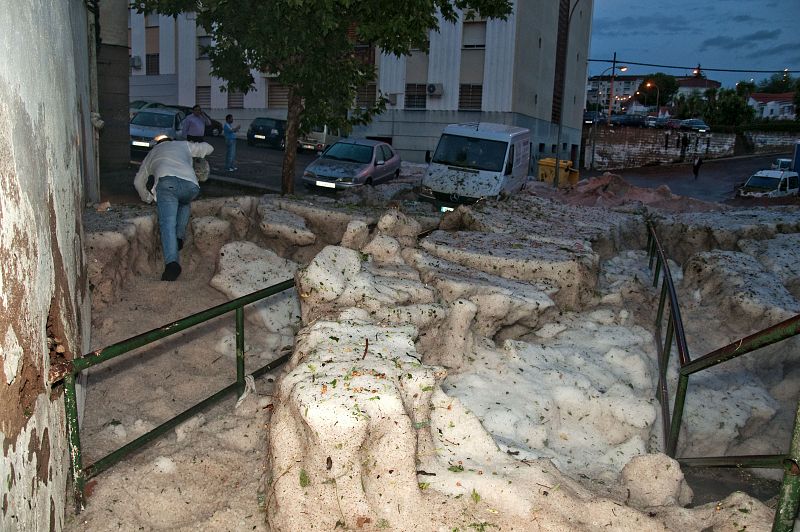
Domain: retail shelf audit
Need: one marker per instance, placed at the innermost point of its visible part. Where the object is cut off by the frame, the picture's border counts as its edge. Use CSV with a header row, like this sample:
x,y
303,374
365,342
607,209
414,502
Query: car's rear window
x,y
144,118
267,122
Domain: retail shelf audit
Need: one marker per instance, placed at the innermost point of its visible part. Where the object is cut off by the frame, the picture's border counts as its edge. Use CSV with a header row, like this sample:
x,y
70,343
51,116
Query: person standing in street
x,y
194,125
229,130
696,166
174,187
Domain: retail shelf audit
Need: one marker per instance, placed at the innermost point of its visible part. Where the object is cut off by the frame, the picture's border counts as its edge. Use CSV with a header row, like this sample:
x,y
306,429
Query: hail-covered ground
x,y
498,373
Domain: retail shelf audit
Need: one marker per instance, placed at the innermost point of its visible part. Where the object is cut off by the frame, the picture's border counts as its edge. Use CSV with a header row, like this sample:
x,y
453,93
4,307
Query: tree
x,y
310,47
745,88
690,106
777,83
727,107
661,90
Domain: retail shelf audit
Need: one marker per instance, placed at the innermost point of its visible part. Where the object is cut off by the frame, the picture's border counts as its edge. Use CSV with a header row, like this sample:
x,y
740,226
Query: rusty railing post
x,y
240,351
786,511
74,440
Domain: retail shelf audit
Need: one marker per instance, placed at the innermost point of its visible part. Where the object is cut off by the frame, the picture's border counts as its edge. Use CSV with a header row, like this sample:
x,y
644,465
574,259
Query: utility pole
x,y
611,92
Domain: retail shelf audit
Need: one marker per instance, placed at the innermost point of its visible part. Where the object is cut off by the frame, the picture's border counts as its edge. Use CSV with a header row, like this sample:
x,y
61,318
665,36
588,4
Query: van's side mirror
x,y
427,156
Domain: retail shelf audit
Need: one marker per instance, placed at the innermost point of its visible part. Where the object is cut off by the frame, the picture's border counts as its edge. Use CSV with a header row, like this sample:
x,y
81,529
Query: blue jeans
x,y
174,197
230,144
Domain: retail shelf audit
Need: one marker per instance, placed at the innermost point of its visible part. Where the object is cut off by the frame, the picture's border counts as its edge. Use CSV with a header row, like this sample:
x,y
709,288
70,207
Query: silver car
x,y
353,162
152,123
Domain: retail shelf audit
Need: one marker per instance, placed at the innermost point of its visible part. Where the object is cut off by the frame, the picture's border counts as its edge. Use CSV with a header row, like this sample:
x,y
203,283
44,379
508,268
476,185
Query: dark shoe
x,y
171,271
180,244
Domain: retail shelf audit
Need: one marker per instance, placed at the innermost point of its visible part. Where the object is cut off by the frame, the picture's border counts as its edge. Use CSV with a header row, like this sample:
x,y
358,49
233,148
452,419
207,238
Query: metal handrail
x,y
789,499
68,371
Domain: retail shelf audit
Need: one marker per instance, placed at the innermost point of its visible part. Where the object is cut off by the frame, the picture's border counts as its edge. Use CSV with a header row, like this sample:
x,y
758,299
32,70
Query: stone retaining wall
x,y
620,147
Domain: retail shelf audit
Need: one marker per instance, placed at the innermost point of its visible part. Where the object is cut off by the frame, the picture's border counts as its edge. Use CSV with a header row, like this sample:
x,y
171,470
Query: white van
x,y
770,184
479,160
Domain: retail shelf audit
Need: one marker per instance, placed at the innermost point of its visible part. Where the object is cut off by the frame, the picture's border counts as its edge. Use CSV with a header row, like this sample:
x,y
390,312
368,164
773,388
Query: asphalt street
x,y
259,171
717,180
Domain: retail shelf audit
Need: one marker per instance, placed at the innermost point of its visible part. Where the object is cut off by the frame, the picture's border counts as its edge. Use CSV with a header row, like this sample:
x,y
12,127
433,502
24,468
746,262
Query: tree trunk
x,y
290,154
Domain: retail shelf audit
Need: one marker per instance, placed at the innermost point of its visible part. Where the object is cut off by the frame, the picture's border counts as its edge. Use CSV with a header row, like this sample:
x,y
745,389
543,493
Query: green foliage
x,y
777,83
727,107
661,90
304,480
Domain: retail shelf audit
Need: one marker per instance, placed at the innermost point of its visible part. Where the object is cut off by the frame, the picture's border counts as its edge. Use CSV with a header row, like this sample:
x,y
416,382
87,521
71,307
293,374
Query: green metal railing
x,y
789,497
68,372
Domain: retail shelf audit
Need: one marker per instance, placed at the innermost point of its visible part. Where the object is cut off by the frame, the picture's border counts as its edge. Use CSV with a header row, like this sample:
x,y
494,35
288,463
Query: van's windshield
x,y
763,182
469,152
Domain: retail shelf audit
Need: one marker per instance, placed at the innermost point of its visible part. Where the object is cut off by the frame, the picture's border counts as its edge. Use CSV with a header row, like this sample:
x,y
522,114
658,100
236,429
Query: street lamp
x,y
613,68
658,96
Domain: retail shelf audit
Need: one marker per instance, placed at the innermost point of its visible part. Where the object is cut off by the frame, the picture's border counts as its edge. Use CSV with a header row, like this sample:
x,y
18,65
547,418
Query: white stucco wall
x,y
42,269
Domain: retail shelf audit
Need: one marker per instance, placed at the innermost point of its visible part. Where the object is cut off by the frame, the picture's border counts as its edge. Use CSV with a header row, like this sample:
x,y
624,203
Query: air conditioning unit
x,y
136,62
434,89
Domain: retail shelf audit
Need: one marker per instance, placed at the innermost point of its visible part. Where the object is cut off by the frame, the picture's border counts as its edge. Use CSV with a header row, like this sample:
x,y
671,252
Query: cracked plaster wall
x,y
44,298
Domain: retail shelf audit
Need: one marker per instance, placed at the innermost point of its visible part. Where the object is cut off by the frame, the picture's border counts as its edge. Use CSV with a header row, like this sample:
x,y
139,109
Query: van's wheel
x,y
368,182
396,174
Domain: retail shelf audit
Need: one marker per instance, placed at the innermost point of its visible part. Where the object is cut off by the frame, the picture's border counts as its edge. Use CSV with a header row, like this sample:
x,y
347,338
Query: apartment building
x,y
625,86
483,70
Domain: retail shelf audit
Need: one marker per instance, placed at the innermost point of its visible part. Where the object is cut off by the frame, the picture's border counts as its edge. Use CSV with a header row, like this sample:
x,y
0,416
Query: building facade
x,y
769,106
625,86
508,71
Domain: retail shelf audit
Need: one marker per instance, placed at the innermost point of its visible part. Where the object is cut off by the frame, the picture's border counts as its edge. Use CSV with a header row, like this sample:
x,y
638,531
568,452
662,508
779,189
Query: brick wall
x,y
622,147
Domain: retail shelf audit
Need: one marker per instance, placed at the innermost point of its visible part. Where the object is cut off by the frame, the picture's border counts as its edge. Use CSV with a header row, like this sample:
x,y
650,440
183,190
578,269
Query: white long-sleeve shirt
x,y
169,158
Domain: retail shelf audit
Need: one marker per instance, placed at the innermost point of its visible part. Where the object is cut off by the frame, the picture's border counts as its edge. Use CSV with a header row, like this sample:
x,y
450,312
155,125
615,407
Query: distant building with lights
x,y
625,86
779,106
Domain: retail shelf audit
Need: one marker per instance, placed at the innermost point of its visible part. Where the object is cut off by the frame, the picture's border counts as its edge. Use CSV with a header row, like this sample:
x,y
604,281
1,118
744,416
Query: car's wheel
x,y
283,144
368,182
215,132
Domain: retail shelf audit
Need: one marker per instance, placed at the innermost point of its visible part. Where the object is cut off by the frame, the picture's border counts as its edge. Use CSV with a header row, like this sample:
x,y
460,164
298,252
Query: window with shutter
x,y
202,96
235,100
277,95
470,97
416,95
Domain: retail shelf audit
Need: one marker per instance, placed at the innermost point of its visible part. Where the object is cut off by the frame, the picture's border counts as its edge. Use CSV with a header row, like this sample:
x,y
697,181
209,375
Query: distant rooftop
x,y
766,97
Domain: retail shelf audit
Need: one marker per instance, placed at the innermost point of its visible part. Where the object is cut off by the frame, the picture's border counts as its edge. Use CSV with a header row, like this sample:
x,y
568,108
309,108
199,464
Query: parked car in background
x,y
590,117
152,123
695,124
627,120
650,121
672,123
770,184
661,121
319,138
267,131
782,164
212,130
140,105
353,162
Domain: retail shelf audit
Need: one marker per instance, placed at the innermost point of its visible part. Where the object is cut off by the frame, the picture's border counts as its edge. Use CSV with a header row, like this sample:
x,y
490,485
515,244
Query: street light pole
x,y
614,66
658,97
611,91
563,83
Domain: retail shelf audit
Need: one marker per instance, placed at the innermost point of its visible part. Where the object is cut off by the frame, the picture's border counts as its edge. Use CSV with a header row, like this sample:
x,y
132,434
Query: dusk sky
x,y
729,34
